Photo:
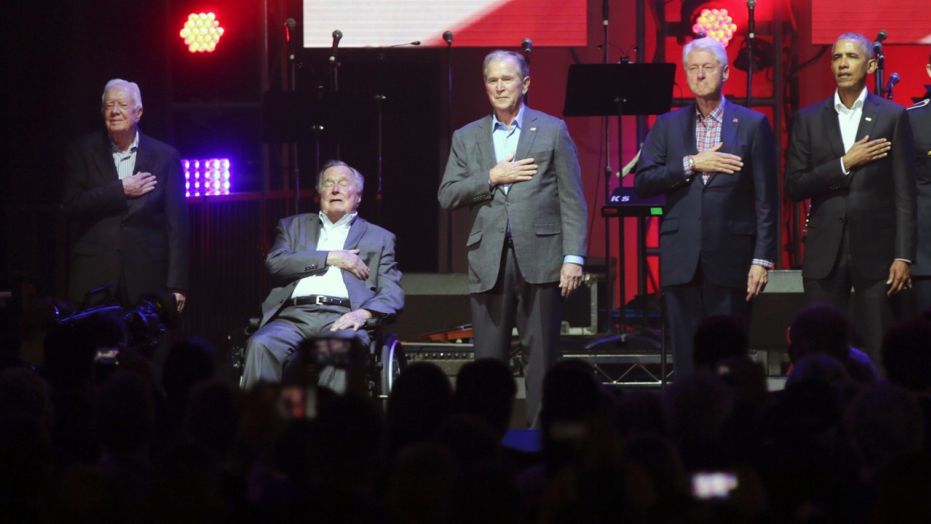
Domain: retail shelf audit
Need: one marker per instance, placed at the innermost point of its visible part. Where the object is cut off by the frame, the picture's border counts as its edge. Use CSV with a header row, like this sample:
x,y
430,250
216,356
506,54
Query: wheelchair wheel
x,y
392,361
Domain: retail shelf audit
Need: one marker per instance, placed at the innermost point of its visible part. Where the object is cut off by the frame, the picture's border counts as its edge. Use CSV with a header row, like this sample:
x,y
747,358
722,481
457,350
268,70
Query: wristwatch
x,y
689,164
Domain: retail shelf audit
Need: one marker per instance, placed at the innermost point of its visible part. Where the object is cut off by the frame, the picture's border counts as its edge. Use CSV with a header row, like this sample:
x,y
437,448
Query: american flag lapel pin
x,y
868,119
533,129
735,121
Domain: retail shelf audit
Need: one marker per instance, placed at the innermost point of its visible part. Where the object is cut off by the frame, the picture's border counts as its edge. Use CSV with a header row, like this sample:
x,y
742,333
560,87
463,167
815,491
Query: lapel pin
x,y
533,129
868,119
734,121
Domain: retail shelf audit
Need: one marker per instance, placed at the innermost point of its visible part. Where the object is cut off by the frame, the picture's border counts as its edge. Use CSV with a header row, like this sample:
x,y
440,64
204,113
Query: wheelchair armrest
x,y
252,325
378,321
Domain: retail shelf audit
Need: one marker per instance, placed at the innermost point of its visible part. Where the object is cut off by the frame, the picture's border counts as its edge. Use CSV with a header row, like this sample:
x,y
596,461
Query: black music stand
x,y
619,90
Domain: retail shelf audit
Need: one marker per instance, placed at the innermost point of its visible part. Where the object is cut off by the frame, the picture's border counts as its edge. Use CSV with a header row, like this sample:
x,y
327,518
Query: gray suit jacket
x,y
295,256
547,215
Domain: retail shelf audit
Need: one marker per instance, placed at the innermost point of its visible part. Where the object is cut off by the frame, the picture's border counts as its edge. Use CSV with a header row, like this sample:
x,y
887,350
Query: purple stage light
x,y
214,172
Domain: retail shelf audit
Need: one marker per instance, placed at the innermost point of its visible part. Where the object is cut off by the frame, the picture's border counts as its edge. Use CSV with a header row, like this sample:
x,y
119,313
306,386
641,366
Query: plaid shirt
x,y
708,131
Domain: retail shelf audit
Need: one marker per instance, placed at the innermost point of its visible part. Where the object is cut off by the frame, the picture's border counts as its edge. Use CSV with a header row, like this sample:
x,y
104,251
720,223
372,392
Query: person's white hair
x,y
131,87
706,44
500,54
359,179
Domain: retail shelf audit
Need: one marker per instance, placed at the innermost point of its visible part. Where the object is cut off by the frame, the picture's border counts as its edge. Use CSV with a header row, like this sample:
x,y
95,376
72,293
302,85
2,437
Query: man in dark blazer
x,y
333,271
714,160
919,116
124,199
852,155
518,172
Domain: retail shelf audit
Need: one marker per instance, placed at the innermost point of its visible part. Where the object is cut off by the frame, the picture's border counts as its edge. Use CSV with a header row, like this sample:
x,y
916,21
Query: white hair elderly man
x,y
715,162
333,271
124,197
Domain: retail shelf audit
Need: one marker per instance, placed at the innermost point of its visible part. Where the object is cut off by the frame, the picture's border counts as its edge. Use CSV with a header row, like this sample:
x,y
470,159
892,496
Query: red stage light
x,y
717,24
201,32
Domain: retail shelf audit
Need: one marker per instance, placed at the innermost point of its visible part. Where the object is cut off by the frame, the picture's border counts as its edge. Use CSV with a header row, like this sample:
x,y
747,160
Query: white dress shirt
x,y
125,161
849,120
332,238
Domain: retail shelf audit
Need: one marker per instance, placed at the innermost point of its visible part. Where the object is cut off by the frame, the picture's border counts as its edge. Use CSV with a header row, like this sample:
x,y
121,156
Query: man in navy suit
x,y
124,198
714,160
920,117
333,272
853,156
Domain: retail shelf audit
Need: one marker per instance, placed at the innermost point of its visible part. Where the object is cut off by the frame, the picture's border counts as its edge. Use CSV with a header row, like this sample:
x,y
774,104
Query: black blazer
x,y
876,201
145,239
725,223
920,117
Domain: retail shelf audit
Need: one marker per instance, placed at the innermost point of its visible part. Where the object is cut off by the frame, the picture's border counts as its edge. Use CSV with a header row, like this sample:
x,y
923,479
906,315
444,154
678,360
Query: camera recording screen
x,y
901,19
713,485
473,23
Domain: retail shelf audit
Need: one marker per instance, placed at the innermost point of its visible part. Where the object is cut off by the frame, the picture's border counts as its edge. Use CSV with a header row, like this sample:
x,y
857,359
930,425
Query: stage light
x,y
717,24
207,177
201,32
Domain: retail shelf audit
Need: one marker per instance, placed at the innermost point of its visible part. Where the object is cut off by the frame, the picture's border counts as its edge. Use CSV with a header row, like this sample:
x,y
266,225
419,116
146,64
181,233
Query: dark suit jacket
x,y
294,256
875,201
920,117
146,238
725,223
547,215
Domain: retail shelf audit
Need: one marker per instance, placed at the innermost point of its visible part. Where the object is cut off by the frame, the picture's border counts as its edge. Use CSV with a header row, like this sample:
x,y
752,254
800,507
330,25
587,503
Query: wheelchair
x,y
386,354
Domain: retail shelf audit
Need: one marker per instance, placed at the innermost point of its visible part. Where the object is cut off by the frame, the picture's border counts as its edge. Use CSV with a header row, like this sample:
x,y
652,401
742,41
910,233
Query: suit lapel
x,y
486,148
832,128
730,125
528,133
356,230
144,163
868,116
103,157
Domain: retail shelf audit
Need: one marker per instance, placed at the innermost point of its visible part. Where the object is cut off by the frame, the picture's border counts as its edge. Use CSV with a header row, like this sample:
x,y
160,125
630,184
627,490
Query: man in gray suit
x,y
334,271
518,172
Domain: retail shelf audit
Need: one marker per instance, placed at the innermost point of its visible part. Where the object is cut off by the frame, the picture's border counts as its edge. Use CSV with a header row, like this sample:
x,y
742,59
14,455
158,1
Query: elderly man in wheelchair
x,y
335,276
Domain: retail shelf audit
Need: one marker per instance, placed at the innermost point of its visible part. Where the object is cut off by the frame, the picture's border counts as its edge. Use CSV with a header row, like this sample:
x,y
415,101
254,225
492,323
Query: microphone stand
x,y
449,133
608,171
880,57
292,87
751,36
527,46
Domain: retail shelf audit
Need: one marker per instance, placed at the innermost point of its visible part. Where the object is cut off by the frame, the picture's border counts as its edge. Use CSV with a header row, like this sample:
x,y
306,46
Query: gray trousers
x,y
535,309
273,347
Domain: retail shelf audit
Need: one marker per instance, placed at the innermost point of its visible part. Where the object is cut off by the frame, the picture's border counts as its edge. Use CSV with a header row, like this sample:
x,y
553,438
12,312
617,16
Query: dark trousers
x,y
873,310
688,305
273,347
921,293
535,309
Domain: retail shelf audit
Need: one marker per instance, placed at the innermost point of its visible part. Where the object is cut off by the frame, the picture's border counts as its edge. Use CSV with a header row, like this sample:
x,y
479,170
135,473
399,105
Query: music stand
x,y
619,90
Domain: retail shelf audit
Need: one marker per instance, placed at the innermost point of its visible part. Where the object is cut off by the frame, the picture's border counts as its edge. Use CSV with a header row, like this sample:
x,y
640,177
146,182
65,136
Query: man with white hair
x,y
715,162
333,271
124,198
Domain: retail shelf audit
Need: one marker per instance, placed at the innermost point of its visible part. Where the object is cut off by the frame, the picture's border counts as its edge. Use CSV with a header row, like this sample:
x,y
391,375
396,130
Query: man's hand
x,y
509,171
756,280
139,184
180,300
864,151
710,161
900,277
353,320
348,260
570,278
